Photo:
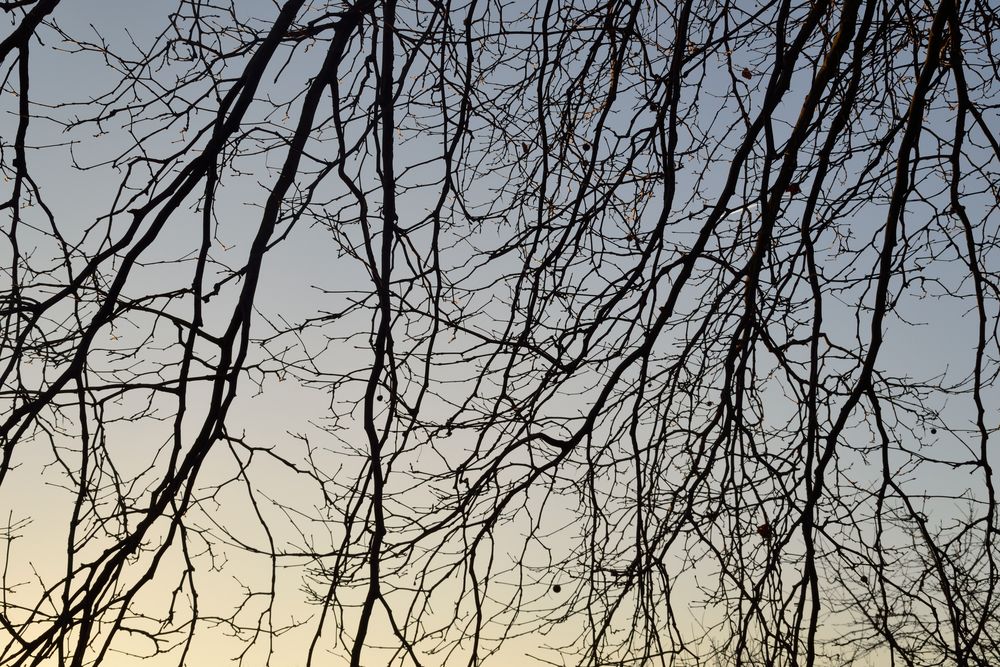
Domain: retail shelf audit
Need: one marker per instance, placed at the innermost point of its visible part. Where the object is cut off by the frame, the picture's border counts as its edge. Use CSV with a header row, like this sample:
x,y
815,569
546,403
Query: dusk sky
x,y
679,350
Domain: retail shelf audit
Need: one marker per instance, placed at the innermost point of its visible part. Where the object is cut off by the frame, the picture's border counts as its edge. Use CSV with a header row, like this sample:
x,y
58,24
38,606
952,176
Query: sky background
x,y
303,276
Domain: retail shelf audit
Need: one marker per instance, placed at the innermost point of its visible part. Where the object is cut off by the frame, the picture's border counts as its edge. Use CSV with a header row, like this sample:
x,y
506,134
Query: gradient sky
x,y
292,284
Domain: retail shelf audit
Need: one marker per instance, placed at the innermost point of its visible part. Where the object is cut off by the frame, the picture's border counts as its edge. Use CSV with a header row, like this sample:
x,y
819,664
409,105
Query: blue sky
x,y
929,336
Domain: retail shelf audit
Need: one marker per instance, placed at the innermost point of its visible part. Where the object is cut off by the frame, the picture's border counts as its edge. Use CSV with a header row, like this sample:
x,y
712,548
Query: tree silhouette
x,y
438,333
